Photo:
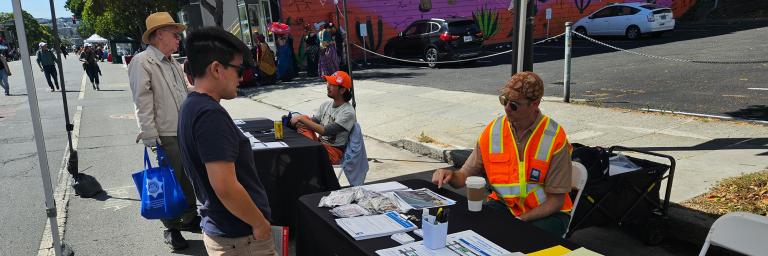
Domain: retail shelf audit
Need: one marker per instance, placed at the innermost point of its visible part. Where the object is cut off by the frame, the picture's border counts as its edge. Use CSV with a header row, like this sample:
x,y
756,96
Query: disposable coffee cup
x,y
475,193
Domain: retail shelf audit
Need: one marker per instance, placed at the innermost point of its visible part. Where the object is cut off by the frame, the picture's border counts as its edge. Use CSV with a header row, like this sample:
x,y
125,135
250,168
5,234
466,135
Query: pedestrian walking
x,y
285,59
312,50
91,66
218,156
47,62
63,50
159,88
5,72
329,60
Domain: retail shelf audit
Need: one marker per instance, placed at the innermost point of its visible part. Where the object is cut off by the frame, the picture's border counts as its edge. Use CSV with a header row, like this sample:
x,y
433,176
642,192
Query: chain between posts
x,y
753,61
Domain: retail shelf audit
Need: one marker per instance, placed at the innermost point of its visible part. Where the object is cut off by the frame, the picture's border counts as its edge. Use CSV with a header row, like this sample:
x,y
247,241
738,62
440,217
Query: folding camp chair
x,y
741,232
578,181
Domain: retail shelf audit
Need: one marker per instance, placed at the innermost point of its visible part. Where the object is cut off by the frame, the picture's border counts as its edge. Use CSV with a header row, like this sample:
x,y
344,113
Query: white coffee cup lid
x,y
475,181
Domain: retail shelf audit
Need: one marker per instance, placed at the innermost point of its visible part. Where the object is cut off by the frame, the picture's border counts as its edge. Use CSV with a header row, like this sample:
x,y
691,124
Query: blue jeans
x,y
4,80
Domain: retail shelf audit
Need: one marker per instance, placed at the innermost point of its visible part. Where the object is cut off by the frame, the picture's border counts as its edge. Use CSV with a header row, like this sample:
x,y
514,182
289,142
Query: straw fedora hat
x,y
159,20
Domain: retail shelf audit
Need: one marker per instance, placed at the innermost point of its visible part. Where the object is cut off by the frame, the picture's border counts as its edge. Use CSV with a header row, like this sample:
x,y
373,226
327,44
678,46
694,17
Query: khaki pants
x,y
172,150
224,246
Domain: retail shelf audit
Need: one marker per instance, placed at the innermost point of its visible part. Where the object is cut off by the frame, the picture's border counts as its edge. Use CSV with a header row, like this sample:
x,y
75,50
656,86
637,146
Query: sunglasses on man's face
x,y
240,68
505,101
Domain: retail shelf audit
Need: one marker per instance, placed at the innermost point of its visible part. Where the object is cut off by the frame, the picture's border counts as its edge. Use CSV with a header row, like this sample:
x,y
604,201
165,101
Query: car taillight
x,y
446,37
479,34
651,18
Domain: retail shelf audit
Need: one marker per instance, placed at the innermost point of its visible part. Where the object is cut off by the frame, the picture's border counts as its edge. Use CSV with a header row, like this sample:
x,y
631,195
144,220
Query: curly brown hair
x,y
524,84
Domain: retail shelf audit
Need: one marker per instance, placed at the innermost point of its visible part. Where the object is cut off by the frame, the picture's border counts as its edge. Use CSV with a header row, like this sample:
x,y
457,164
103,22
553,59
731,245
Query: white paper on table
x,y
239,121
465,243
277,144
258,145
385,187
365,227
253,140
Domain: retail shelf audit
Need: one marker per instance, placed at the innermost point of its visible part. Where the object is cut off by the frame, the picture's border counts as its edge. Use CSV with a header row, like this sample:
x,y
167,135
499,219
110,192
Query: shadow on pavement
x,y
104,196
112,90
196,247
720,144
754,112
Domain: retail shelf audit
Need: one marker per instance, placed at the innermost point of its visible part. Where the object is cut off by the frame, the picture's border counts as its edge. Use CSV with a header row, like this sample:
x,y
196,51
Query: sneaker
x,y
51,90
174,239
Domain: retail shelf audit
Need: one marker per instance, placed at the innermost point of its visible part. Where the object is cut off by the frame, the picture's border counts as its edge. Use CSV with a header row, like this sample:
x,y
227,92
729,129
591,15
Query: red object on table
x,y
279,28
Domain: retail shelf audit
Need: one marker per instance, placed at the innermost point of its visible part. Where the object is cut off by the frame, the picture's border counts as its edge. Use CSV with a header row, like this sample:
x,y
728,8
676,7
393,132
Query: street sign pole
x,y
522,57
72,166
42,157
346,50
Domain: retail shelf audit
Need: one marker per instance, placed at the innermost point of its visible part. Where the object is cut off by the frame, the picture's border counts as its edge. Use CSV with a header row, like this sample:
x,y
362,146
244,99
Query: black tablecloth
x,y
318,233
288,173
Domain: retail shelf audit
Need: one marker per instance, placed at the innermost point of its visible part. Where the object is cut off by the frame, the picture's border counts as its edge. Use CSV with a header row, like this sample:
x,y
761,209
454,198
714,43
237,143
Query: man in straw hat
x,y
159,88
526,157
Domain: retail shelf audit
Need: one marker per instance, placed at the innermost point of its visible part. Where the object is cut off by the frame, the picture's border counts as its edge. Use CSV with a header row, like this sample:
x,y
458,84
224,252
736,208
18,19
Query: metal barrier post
x,y
567,64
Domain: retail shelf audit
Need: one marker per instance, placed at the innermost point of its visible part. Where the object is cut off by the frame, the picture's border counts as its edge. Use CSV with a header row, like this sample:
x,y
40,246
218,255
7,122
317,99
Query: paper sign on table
x,y
462,243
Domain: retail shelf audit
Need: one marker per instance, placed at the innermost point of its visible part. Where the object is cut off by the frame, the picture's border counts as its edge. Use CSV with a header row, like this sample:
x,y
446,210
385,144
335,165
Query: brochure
x,y
423,198
464,243
365,227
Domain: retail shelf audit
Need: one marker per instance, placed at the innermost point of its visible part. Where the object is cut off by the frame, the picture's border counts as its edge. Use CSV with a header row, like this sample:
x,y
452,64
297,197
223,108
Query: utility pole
x,y
522,57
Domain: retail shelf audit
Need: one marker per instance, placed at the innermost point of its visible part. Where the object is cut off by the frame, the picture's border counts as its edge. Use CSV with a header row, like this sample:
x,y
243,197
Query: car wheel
x,y
430,56
581,30
633,32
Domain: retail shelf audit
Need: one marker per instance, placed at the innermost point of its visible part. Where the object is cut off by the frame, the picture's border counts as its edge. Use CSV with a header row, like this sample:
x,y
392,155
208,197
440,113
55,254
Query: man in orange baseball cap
x,y
333,120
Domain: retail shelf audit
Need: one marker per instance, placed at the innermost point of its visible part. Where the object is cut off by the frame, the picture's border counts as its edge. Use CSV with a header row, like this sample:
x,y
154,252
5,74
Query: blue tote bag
x,y
161,195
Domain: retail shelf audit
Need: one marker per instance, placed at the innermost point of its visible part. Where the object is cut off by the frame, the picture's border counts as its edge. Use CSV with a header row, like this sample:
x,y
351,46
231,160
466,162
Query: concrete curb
x,y
450,154
62,193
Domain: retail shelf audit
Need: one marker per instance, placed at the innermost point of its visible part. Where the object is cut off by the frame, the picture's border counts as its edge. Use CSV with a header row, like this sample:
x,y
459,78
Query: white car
x,y
628,19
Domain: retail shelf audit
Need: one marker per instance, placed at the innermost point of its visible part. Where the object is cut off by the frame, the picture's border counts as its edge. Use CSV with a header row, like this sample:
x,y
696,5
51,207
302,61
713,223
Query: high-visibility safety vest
x,y
520,181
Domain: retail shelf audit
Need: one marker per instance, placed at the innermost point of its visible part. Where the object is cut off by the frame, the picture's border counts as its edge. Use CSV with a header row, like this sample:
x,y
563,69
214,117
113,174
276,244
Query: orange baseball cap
x,y
339,78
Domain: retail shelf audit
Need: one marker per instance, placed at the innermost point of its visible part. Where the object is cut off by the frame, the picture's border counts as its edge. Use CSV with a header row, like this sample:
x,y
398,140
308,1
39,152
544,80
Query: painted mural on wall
x,y
385,18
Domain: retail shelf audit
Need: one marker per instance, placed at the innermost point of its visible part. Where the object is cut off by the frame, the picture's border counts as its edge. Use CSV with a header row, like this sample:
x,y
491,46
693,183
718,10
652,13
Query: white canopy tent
x,y
95,38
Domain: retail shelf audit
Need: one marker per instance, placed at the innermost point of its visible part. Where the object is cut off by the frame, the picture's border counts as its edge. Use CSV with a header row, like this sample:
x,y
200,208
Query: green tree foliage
x,y
115,19
35,32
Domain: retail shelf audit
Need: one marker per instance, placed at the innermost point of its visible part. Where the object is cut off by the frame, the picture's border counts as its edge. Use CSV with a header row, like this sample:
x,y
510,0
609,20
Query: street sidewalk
x,y
706,150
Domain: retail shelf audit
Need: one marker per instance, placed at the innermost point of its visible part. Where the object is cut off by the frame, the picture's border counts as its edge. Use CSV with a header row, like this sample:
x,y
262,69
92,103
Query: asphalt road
x,y
23,202
610,78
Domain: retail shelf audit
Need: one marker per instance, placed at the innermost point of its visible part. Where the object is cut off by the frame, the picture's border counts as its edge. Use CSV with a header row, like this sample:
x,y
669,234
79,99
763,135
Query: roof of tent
x,y
95,38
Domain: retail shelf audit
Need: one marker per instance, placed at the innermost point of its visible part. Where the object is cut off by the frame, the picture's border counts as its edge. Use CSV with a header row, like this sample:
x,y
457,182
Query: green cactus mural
x,y
488,20
374,41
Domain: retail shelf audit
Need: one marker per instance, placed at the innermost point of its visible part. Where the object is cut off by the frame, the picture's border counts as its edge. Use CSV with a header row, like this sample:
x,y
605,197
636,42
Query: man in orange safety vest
x,y
526,158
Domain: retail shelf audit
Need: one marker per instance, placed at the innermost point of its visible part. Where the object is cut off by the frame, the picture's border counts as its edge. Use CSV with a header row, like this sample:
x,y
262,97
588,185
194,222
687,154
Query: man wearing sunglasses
x,y
217,155
159,87
525,156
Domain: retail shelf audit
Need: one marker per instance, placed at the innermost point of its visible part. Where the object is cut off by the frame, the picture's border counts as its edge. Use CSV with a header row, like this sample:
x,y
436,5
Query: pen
x,y
437,216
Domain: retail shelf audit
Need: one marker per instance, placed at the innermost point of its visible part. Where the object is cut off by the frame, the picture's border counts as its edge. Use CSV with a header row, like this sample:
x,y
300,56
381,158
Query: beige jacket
x,y
159,88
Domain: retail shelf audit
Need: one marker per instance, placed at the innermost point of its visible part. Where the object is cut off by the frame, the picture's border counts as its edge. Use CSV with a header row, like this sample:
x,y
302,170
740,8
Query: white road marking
x,y
117,198
82,88
759,89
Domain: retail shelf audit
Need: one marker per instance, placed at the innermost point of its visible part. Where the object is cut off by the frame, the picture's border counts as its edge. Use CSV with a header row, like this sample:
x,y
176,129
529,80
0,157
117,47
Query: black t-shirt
x,y
208,134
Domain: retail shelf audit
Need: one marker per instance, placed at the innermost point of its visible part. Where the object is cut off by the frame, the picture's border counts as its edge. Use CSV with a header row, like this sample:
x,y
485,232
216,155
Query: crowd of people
x,y
178,108
322,56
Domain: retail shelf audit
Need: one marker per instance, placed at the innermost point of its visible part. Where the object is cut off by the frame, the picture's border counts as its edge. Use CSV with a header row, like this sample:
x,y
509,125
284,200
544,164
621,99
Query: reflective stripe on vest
x,y
547,141
513,190
497,141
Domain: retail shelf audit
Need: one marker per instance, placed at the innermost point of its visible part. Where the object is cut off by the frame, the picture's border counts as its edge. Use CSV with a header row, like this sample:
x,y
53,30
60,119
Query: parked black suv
x,y
437,39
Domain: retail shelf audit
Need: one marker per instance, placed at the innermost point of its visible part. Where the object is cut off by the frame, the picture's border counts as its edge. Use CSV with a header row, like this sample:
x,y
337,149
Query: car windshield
x,y
462,27
652,6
